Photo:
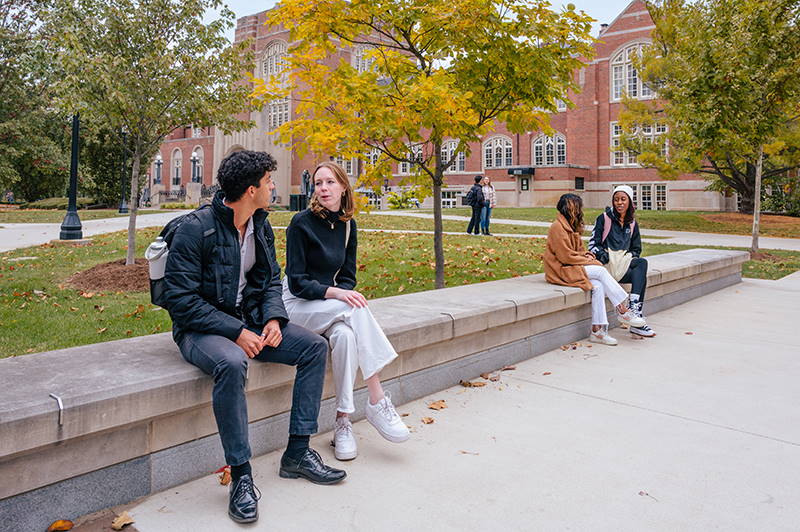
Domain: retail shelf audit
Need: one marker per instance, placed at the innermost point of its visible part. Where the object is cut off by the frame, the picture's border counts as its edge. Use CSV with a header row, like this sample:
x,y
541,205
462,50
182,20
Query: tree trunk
x,y
133,206
438,247
757,200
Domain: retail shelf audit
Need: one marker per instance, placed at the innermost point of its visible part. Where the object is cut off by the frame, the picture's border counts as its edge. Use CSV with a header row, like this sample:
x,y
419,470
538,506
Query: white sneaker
x,y
644,330
602,337
384,418
344,443
631,319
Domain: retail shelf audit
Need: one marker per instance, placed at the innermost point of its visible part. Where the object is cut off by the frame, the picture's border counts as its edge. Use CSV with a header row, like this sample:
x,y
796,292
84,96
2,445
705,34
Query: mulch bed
x,y
768,257
113,277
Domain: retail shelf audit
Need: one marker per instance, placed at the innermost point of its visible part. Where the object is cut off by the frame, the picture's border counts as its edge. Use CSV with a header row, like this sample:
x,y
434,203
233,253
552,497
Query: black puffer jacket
x,y
202,276
619,237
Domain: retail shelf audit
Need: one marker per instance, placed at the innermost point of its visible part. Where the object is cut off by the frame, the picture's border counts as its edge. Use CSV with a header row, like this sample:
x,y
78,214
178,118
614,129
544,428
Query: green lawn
x,y
39,312
697,221
45,216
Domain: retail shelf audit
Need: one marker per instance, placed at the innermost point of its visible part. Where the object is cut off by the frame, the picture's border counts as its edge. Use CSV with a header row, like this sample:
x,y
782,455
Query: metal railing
x,y
166,196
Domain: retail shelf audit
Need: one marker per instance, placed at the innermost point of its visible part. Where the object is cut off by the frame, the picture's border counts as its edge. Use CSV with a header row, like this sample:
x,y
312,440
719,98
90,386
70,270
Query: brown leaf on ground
x,y
689,333
441,404
427,420
121,521
495,377
405,415
61,524
468,384
486,375
508,368
547,373
224,475
469,452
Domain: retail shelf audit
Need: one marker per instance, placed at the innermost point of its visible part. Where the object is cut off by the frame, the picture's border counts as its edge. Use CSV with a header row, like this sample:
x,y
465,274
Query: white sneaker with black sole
x,y
644,330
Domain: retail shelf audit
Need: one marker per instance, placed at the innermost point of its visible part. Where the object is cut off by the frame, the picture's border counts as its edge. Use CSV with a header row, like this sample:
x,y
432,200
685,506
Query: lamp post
x,y
71,226
194,160
386,185
159,163
123,205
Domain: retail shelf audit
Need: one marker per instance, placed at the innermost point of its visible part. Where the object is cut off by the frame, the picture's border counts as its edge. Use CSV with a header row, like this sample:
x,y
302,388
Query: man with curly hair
x,y
223,293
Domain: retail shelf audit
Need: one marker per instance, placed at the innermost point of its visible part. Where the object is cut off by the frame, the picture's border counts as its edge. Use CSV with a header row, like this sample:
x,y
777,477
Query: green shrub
x,y
177,206
59,203
404,200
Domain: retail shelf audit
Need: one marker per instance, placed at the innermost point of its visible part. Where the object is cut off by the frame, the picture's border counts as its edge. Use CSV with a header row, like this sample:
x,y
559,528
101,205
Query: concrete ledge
x,y
135,406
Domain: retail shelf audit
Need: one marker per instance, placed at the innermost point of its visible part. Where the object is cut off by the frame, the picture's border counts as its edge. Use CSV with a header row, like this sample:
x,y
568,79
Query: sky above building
x,y
603,11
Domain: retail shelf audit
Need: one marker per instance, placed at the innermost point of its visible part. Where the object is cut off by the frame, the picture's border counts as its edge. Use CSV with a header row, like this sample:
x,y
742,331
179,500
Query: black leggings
x,y
637,276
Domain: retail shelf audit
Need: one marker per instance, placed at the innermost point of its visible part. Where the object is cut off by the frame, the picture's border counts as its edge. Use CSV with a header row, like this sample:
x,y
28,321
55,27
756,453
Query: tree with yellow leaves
x,y
432,71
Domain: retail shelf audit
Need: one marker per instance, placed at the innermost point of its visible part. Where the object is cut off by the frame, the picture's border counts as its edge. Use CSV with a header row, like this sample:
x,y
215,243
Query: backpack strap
x,y
606,226
206,216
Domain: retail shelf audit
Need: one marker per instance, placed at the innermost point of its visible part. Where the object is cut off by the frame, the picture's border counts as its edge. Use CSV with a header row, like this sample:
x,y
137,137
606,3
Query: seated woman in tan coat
x,y
566,262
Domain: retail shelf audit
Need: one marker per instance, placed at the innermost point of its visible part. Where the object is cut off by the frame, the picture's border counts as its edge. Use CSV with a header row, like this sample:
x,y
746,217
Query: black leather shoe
x,y
243,503
310,466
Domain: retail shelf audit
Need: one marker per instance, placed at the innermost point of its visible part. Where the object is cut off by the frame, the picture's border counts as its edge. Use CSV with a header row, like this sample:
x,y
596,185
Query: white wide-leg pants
x,y
604,285
356,340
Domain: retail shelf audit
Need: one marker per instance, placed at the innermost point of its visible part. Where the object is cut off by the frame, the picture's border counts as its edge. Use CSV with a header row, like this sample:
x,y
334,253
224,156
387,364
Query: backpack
x,y
157,252
607,226
470,198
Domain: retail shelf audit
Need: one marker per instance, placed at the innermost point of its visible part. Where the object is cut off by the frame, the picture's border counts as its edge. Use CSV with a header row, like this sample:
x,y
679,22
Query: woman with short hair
x,y
319,294
566,262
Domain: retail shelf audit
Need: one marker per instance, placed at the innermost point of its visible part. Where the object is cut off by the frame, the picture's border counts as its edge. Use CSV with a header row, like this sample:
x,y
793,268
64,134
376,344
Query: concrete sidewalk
x,y
15,236
666,237
695,429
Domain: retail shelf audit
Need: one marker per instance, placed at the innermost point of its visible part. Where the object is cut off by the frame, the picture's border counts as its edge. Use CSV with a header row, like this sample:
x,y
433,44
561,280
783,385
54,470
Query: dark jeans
x,y
475,221
226,362
637,276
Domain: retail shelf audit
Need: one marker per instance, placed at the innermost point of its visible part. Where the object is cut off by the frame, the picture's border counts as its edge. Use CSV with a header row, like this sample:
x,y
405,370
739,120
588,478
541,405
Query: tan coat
x,y
566,256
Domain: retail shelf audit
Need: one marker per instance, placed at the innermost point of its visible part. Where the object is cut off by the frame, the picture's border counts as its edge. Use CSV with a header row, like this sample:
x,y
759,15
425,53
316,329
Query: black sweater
x,y
315,251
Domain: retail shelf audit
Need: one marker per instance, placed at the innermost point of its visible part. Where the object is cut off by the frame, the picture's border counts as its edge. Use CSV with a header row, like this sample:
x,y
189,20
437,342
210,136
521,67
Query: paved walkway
x,y
15,236
695,429
667,237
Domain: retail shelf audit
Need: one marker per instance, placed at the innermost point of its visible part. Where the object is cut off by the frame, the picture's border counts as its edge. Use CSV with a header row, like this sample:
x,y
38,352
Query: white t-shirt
x,y
247,258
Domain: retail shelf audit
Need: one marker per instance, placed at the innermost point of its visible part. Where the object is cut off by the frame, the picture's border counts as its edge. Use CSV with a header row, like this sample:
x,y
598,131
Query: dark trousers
x,y
475,221
637,276
226,362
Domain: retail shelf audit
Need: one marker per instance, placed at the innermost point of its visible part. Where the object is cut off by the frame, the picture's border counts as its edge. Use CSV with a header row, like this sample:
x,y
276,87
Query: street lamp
x,y
386,185
71,226
123,205
159,163
194,160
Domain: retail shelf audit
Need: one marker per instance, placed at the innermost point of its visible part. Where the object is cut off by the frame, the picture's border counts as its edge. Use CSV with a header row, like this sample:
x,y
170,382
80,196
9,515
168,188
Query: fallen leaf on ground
x,y
102,330
405,415
508,368
122,520
427,420
224,475
469,452
468,384
61,524
547,373
689,333
486,375
438,405
636,337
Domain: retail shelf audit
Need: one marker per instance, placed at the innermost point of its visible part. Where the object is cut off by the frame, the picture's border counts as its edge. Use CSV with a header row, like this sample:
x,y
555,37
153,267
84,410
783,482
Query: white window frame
x,y
273,63
346,164
460,163
277,113
561,105
359,60
415,153
624,77
497,149
177,163
199,165
549,150
648,133
450,198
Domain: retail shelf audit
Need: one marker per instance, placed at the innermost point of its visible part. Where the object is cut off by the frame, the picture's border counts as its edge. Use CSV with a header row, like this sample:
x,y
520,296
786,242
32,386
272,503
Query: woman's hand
x,y
351,297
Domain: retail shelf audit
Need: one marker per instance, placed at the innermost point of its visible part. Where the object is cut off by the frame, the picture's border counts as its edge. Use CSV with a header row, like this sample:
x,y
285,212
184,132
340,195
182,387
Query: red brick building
x,y
579,157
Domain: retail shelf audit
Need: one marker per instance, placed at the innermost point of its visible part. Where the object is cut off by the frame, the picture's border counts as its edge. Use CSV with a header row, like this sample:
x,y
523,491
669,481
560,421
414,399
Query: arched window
x,y
360,61
415,154
459,163
197,165
274,65
549,151
274,60
498,152
624,77
176,166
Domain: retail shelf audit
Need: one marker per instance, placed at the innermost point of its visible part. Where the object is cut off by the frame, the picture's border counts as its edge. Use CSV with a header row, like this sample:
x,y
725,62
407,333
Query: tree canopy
x,y
429,72
727,73
147,66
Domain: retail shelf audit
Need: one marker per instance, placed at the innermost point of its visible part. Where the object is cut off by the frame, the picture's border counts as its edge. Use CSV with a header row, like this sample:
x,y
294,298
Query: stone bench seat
x,y
133,408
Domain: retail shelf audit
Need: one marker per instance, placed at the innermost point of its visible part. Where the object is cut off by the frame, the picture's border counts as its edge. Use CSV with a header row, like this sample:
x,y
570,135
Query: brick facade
x,y
586,128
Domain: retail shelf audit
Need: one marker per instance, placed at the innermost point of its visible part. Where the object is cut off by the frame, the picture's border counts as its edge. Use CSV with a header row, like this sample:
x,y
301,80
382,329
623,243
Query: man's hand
x,y
250,342
271,335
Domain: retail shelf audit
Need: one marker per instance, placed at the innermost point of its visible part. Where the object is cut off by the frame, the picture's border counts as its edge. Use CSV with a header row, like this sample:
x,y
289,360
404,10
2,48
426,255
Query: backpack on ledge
x,y
157,252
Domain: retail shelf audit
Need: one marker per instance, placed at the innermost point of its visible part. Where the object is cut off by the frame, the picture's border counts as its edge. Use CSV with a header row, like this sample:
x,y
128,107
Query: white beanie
x,y
624,188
